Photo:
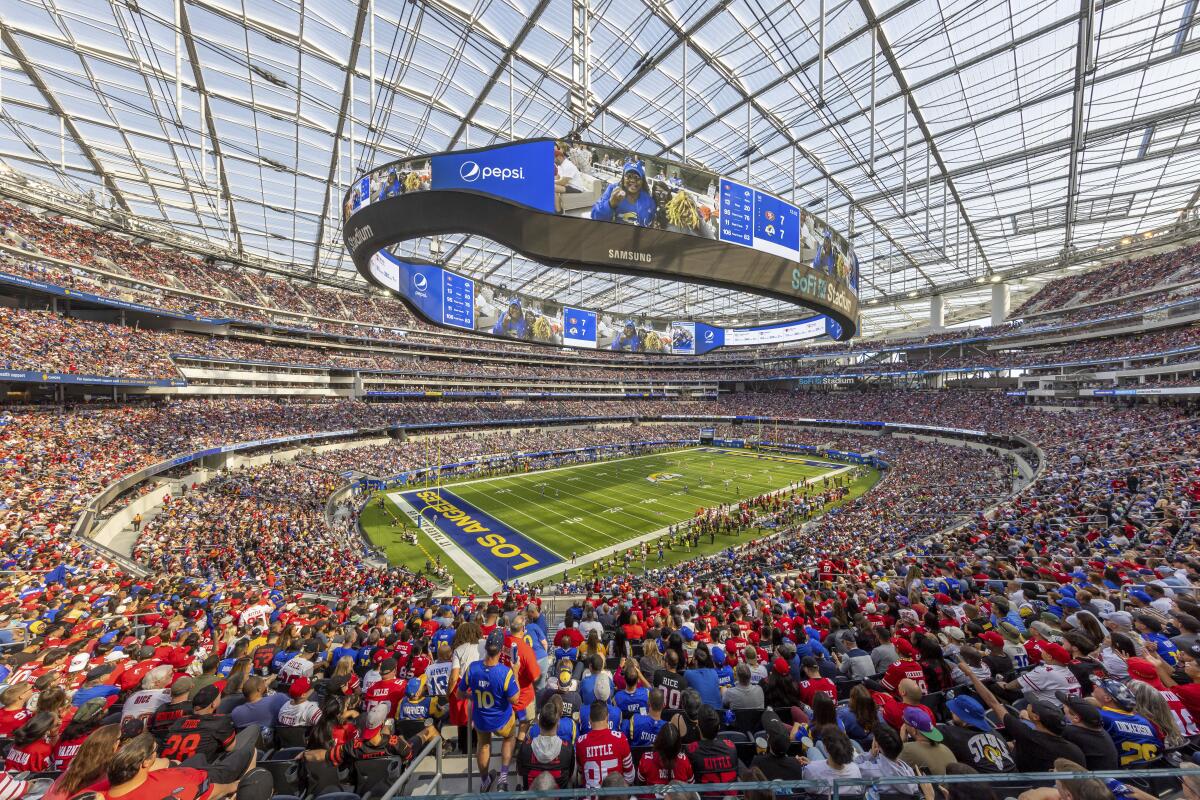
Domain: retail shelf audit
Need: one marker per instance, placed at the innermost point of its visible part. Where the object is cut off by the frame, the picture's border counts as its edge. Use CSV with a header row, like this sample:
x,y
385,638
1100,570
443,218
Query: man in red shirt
x,y
814,683
14,714
525,665
569,636
906,667
601,750
387,689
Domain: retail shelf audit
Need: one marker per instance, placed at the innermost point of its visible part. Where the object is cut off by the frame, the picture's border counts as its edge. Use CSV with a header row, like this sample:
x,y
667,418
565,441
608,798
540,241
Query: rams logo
x,y
656,477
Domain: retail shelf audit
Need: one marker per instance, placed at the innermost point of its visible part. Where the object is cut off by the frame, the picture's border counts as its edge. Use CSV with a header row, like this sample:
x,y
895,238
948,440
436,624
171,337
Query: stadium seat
x,y
747,720
288,736
373,777
285,773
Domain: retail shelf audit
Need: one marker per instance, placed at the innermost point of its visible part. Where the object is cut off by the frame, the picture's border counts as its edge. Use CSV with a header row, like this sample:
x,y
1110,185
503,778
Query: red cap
x,y
1055,651
992,638
780,665
944,599
299,687
1142,670
905,648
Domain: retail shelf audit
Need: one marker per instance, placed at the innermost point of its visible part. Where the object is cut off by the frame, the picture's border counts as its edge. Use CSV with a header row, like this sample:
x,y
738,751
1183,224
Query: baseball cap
x,y
1122,618
91,710
375,719
1088,714
992,638
414,687
79,662
1142,670
1119,692
918,719
970,711
495,641
905,648
388,665
132,727
205,696
780,665
183,686
1141,595
1010,631
1055,651
299,687
1050,715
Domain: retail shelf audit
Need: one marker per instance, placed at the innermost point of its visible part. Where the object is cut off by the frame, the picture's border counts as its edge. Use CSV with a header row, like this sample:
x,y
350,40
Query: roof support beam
x,y
351,65
529,25
885,48
1083,57
214,140
18,53
752,104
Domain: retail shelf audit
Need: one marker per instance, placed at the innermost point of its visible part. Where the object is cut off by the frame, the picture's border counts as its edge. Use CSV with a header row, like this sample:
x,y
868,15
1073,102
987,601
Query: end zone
x,y
501,550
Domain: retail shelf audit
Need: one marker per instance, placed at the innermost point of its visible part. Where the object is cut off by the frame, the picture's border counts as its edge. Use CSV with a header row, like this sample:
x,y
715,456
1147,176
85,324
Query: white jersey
x,y
144,703
1044,680
437,678
293,715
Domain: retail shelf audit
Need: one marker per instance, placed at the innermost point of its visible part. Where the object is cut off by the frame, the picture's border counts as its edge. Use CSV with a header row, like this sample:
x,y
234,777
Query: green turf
x,y
607,503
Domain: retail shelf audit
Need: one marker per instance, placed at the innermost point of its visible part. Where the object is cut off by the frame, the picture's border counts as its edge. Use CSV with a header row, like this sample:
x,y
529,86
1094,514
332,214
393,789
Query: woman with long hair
x,y
1153,706
664,764
938,676
824,716
89,765
860,716
33,744
466,652
593,646
86,720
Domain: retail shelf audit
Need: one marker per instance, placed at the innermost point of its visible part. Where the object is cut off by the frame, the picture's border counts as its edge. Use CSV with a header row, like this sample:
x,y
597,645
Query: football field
x,y
536,525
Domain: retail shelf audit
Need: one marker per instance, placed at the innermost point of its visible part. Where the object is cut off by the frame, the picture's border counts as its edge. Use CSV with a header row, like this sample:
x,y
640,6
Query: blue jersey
x,y
568,731
614,719
725,676
643,730
507,326
630,703
339,652
442,635
492,690
1167,650
1137,741
413,709
705,682
226,667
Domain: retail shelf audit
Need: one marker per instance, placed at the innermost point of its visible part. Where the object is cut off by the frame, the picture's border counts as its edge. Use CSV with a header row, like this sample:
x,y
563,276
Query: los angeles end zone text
x,y
518,525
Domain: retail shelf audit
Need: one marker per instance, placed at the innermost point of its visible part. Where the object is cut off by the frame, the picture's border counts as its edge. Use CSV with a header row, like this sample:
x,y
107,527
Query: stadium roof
x,y
1037,123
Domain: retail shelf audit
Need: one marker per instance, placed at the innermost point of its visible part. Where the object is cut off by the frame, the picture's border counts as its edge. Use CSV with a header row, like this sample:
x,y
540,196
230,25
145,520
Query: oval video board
x,y
590,207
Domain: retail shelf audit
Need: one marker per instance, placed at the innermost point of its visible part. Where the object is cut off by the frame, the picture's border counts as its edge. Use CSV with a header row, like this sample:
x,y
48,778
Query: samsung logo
x,y
359,236
630,255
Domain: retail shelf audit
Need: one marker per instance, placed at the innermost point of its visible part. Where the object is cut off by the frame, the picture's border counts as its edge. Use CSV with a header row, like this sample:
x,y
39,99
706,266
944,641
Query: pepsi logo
x,y
708,336
469,171
420,282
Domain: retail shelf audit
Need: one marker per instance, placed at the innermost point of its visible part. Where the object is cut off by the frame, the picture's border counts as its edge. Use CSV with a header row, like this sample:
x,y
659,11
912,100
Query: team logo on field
x,y
655,477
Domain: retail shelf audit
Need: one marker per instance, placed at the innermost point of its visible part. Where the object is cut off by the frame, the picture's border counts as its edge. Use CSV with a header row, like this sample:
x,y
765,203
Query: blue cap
x,y
635,166
414,687
970,711
1142,595
1070,602
718,655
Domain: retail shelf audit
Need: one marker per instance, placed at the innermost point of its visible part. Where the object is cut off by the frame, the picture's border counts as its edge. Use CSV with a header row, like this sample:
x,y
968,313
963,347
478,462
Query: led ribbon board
x,y
589,207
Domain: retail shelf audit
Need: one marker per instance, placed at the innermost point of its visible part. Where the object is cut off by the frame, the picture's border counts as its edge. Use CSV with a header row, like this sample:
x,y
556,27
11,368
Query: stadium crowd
x,y
1062,621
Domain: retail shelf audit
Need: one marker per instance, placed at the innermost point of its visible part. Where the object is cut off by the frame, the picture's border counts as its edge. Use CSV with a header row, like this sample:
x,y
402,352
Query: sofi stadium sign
x,y
592,207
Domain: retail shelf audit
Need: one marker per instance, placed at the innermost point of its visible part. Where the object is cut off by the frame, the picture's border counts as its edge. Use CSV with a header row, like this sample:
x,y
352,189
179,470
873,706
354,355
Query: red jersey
x,y
898,671
1183,716
402,653
33,757
180,783
390,692
652,772
809,689
11,720
601,751
65,752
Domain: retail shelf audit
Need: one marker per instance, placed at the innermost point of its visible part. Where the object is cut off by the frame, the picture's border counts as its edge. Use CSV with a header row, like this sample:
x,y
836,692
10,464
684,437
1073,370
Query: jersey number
x,y
1138,752
181,747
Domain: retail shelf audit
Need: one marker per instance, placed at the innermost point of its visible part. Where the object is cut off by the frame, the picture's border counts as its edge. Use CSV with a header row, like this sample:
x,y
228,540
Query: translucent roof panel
x,y
963,139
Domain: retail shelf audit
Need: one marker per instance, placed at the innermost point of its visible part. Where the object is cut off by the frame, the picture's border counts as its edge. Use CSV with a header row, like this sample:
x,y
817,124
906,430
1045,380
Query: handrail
x,y
834,788
404,784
